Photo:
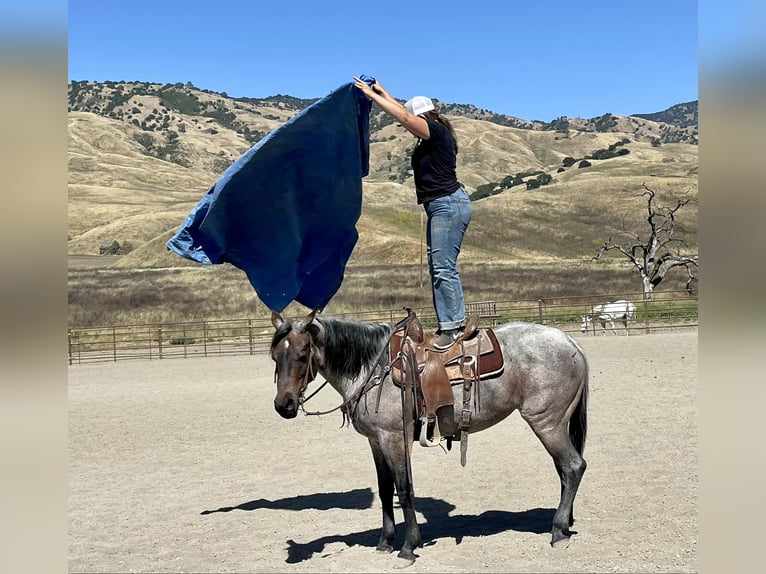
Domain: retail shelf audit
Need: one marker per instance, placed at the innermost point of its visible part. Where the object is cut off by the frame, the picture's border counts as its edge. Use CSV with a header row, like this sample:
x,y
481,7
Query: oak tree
x,y
655,254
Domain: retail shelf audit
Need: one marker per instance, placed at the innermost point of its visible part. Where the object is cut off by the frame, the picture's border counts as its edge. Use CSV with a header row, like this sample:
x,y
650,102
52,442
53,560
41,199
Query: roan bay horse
x,y
545,377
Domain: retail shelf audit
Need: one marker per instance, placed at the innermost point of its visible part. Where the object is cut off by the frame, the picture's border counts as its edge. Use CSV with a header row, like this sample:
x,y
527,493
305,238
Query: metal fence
x,y
667,310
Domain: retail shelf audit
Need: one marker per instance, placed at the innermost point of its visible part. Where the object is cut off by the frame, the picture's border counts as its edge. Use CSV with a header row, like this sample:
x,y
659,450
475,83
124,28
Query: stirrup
x,y
436,436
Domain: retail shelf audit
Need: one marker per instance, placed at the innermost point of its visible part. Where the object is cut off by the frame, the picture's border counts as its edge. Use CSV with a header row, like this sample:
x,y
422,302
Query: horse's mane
x,y
351,345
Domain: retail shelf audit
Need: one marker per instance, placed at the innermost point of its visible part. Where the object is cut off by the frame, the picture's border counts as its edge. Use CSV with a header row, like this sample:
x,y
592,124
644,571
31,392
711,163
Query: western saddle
x,y
431,373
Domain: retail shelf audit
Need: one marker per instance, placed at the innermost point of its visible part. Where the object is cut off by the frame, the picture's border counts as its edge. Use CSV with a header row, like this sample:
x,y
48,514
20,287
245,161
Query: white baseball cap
x,y
419,105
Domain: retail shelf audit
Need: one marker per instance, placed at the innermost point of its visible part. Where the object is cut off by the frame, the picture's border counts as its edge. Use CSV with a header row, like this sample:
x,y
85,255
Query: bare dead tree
x,y
660,252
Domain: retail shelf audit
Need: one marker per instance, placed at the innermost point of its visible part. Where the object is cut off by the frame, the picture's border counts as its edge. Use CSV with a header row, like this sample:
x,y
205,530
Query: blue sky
x,y
534,60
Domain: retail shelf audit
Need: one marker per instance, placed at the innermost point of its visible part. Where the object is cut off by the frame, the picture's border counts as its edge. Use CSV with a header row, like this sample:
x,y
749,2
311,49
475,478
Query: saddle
x,y
474,356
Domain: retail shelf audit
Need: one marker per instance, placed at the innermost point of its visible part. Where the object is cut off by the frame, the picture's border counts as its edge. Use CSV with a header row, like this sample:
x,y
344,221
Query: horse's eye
x,y
301,359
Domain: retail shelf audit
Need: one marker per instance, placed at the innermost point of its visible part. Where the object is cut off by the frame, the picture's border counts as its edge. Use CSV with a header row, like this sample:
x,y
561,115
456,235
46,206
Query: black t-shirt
x,y
434,164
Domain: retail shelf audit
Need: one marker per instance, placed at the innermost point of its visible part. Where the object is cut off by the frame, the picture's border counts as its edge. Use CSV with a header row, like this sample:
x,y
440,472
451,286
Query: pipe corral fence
x,y
666,311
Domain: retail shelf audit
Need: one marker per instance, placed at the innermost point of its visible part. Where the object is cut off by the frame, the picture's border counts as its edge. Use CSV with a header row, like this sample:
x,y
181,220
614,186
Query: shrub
x,y
507,181
180,102
485,190
146,140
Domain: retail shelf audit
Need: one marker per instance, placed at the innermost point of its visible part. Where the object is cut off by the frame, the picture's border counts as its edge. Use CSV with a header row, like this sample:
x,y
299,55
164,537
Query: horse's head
x,y
295,351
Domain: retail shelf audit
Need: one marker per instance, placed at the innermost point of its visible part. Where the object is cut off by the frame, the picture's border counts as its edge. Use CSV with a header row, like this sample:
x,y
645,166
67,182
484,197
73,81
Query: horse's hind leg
x,y
570,467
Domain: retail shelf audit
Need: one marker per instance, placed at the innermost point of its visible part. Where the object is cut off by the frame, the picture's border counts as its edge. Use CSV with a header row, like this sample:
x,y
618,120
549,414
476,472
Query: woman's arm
x,y
416,125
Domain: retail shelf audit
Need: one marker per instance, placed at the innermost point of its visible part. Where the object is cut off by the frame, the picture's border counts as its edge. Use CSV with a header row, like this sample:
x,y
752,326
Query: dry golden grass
x,y
101,296
520,243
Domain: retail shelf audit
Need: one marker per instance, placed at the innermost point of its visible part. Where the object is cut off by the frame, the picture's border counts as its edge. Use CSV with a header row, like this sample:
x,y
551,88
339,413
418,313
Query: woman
x,y
443,197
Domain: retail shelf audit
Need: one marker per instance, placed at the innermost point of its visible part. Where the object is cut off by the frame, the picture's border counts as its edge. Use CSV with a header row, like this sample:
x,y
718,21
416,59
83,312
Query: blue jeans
x,y
448,219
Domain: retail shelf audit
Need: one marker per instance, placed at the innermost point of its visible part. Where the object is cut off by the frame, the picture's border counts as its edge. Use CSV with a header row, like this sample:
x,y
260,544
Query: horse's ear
x,y
312,327
309,319
276,319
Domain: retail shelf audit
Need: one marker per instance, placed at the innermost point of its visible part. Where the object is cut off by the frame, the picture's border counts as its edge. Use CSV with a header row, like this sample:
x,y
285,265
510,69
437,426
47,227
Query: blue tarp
x,y
285,212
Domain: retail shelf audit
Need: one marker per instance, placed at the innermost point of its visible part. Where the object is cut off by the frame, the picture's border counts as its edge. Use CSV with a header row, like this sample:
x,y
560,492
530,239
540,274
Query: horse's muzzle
x,y
287,409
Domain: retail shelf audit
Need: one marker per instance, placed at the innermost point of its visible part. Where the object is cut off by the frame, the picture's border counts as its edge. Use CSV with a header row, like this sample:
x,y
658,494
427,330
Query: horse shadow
x,y
438,523
357,499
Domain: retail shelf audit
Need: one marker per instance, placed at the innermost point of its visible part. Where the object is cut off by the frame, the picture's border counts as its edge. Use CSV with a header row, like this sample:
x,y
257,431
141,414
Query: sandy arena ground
x,y
183,465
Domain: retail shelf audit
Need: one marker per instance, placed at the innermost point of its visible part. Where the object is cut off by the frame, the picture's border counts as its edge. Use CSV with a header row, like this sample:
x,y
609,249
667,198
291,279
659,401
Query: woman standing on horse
x,y
443,197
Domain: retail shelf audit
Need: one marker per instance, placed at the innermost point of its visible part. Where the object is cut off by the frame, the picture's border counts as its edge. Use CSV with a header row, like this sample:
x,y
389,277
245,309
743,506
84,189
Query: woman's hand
x,y
364,87
413,124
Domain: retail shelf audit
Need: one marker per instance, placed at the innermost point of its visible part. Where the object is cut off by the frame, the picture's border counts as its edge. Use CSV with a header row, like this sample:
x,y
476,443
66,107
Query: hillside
x,y
141,156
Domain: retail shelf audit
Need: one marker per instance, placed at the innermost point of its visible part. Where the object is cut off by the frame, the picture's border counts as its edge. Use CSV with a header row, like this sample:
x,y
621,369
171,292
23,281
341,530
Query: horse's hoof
x,y
384,548
562,540
407,556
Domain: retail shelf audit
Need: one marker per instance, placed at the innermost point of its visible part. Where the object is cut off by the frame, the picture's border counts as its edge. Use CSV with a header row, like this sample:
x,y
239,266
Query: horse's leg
x,y
386,494
412,531
570,467
391,466
397,457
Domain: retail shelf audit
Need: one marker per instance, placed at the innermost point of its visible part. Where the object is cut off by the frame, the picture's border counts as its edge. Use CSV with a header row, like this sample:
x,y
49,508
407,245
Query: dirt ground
x,y
183,465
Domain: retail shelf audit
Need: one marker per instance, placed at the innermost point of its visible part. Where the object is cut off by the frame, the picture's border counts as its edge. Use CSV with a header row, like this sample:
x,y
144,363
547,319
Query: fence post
x,y
204,336
250,334
69,337
540,311
159,341
646,315
114,343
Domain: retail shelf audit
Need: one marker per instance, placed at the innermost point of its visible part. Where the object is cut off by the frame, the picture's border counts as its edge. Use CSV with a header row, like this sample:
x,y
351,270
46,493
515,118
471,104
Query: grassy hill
x,y
141,155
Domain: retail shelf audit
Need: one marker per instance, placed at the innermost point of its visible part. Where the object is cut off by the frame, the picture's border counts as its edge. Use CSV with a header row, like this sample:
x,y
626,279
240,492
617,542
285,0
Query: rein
x,y
364,388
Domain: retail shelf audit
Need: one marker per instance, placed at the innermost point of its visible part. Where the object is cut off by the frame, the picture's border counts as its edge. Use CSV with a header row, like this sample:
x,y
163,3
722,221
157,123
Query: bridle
x,y
370,382
308,375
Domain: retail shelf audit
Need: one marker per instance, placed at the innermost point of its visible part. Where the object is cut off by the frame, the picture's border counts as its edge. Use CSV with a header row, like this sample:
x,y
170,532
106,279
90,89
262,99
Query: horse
x,y
621,310
545,376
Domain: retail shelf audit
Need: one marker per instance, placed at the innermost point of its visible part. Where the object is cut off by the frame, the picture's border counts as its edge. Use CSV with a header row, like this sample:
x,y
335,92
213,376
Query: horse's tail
x,y
578,424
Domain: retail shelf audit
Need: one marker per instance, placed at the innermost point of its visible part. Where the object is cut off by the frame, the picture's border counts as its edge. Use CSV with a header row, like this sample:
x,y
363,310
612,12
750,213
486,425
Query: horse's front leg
x,y
399,460
412,531
386,495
